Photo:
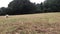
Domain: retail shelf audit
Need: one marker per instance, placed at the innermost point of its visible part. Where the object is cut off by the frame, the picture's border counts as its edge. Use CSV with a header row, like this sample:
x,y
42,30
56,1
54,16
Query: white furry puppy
x,y
7,16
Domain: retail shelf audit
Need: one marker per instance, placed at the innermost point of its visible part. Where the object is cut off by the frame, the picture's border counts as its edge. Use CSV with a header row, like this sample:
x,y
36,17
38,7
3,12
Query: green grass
x,y
46,23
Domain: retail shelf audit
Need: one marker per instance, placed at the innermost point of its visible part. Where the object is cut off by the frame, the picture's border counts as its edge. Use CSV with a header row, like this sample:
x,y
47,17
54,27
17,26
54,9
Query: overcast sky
x,y
4,3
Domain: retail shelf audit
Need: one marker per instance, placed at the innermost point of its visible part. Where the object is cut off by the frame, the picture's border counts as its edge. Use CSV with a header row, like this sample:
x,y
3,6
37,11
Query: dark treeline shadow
x,y
22,7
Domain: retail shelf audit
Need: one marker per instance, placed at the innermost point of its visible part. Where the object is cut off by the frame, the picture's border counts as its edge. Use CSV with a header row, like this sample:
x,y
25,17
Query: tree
x,y
22,6
3,11
52,5
40,8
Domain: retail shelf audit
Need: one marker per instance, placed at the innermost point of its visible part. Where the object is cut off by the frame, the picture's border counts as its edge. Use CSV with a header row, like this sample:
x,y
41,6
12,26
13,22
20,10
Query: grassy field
x,y
45,23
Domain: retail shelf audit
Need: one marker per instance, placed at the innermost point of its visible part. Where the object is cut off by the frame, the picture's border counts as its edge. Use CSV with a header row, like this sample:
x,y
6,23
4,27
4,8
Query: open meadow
x,y
44,23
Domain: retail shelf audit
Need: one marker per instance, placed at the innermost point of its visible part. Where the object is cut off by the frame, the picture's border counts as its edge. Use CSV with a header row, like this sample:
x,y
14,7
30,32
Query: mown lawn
x,y
45,23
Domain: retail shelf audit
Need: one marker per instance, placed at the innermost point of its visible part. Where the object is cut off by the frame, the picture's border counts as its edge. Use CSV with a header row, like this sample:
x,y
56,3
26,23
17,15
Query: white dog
x,y
7,16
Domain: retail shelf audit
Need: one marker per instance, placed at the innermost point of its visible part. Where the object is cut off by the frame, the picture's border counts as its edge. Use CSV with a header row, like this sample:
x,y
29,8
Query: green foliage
x,y
27,7
22,6
52,5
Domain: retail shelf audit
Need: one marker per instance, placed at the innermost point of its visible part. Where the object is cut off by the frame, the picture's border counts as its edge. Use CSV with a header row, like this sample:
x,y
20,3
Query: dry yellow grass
x,y
46,23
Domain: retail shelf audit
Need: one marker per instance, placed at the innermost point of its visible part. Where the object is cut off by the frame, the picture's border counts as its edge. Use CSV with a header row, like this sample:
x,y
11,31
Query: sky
x,y
4,3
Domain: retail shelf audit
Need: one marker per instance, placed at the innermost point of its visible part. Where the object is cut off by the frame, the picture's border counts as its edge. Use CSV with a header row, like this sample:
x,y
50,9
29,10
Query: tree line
x,y
17,7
